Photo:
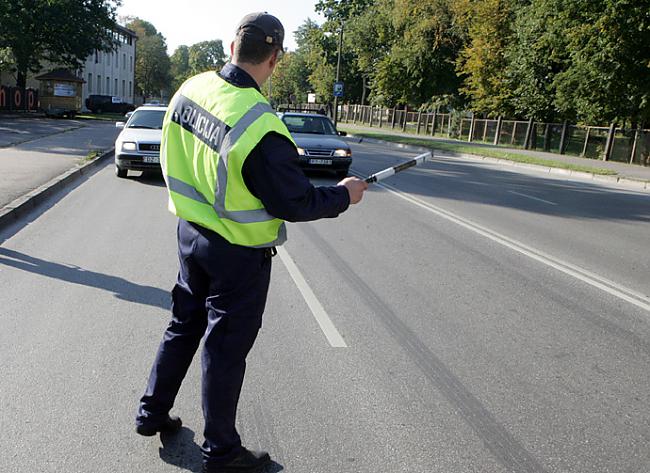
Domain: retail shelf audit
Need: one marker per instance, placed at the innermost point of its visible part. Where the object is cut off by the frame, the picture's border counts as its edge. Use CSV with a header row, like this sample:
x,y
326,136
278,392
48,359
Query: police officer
x,y
231,169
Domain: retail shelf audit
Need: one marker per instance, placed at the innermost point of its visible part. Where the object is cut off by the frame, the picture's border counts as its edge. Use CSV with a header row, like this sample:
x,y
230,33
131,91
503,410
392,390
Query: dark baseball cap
x,y
264,27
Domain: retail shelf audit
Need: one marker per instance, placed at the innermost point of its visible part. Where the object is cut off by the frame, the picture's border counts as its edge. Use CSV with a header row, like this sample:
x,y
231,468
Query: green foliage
x,y
187,61
608,44
405,48
152,66
7,60
206,56
537,54
581,60
180,66
289,82
64,32
482,62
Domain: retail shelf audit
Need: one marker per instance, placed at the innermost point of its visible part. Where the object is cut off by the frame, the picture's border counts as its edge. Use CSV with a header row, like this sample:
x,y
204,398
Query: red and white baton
x,y
381,175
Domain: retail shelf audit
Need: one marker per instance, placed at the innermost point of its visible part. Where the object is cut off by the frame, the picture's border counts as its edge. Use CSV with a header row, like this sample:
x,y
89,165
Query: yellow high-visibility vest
x,y
209,130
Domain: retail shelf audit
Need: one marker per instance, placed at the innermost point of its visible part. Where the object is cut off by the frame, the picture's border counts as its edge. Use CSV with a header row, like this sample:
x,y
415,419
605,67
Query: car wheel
x,y
120,172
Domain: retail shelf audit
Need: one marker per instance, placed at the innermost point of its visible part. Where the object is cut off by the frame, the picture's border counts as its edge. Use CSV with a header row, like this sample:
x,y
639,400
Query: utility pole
x,y
338,71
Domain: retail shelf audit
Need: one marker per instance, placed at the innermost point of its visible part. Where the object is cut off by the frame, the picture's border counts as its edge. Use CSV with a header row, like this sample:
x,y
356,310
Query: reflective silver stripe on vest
x,y
239,216
282,238
186,190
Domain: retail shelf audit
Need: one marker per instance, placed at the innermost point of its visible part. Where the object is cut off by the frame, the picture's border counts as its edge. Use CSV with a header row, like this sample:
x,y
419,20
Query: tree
x,y
482,62
318,53
538,53
152,66
607,77
289,80
64,32
180,66
362,26
206,56
420,64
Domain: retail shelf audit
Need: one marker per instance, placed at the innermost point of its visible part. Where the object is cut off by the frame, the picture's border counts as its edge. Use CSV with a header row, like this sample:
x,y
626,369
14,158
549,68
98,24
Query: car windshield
x,y
148,119
316,125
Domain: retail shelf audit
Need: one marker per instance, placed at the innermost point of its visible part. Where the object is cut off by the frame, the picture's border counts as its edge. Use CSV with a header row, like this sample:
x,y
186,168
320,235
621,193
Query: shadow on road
x,y
453,179
120,287
182,451
148,178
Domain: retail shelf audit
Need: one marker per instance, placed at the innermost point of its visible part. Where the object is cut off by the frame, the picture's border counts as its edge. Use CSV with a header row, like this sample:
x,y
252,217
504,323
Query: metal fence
x,y
606,143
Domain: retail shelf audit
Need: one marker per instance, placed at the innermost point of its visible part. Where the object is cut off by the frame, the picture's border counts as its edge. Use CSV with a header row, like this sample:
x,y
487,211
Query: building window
x,y
123,88
108,58
108,86
99,84
130,89
124,61
90,83
96,56
131,62
115,91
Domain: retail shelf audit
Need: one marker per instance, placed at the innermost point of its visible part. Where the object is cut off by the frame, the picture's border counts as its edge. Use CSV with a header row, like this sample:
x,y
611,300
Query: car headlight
x,y
343,153
301,152
129,146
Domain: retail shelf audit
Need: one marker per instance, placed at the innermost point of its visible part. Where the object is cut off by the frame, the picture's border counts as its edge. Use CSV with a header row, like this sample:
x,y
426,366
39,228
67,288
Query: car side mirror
x,y
342,133
119,124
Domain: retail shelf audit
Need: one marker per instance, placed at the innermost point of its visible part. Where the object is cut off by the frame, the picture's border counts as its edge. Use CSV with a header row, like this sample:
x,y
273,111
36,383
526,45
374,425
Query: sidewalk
x,y
622,170
45,150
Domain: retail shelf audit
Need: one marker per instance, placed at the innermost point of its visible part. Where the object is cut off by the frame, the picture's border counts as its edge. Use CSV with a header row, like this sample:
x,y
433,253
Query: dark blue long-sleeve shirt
x,y
272,173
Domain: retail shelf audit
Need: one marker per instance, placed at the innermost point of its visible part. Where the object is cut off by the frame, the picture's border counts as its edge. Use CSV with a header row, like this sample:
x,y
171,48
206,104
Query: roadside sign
x,y
338,89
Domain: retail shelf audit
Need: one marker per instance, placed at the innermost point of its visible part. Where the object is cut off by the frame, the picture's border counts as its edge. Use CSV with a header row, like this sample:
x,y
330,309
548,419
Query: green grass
x,y
481,151
92,154
109,117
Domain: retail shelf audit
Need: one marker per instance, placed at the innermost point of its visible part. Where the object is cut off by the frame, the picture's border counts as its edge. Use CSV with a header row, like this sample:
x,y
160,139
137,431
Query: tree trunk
x,y
21,79
365,87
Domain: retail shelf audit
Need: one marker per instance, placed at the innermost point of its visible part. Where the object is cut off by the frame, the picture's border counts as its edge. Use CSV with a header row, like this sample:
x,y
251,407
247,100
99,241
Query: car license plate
x,y
151,159
320,161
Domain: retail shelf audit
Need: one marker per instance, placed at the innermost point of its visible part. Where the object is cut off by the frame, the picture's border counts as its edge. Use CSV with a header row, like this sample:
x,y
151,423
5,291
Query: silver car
x,y
319,144
138,145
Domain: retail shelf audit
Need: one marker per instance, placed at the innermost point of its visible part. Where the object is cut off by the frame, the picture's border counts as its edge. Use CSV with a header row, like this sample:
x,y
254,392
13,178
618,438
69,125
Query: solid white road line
x,y
326,325
640,300
534,198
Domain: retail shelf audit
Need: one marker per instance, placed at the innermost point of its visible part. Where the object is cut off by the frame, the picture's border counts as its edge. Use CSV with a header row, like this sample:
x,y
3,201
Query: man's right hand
x,y
356,187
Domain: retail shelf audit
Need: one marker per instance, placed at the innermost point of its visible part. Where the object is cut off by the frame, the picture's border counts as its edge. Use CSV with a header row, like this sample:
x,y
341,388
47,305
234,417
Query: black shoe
x,y
246,462
169,425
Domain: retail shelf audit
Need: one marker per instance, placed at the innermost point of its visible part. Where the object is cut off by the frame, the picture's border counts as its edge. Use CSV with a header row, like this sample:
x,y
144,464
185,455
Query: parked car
x,y
138,145
107,103
319,145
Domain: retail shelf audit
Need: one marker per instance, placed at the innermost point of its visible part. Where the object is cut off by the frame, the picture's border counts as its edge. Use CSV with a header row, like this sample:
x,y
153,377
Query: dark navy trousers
x,y
220,293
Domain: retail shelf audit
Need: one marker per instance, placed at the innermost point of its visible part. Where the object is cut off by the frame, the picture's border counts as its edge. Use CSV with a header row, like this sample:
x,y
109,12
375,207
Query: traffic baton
x,y
381,175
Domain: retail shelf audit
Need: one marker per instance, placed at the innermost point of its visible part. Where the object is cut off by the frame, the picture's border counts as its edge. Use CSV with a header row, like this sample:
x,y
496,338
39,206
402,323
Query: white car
x,y
138,145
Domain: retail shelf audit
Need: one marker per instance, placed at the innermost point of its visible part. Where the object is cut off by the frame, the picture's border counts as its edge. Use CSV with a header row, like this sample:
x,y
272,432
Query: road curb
x,y
24,204
627,181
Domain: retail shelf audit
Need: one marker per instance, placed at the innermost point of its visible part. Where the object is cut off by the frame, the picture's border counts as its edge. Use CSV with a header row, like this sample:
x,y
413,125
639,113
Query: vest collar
x,y
237,76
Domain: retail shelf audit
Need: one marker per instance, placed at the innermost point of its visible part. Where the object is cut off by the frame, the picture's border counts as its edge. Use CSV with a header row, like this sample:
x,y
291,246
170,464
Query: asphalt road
x,y
484,329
